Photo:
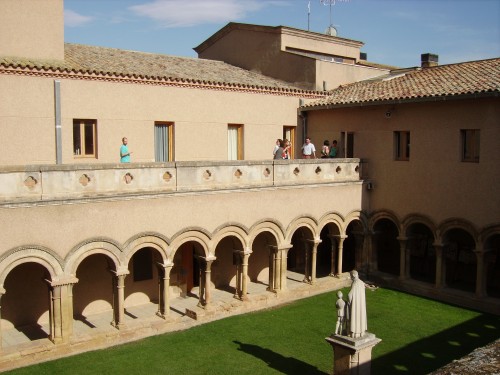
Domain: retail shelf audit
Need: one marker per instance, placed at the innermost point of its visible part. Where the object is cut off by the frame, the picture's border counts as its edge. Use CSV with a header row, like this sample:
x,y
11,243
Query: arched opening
x,y
185,274
327,251
460,260
387,246
492,266
422,253
260,261
353,246
26,305
141,285
224,267
93,294
299,255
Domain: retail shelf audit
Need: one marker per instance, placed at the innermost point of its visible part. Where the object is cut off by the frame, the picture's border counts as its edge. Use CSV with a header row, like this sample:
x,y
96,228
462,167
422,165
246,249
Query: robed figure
x,y
357,324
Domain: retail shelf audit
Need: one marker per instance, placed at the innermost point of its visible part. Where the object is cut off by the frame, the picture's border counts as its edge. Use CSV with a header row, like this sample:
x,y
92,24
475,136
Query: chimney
x,y
429,59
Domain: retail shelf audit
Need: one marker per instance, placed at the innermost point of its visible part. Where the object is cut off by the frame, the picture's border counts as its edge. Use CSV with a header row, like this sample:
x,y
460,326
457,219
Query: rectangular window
x,y
164,141
85,138
402,145
470,145
143,264
289,133
234,142
346,145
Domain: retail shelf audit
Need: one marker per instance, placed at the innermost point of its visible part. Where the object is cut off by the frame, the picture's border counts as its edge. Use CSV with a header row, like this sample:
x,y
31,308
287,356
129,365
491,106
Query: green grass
x,y
418,336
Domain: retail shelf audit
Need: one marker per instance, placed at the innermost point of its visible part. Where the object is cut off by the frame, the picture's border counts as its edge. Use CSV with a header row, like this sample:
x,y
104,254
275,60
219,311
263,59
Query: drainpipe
x,y
57,110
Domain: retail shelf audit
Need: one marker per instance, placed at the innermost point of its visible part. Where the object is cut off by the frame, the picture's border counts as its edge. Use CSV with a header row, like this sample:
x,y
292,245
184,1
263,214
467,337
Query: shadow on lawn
x,y
432,353
285,365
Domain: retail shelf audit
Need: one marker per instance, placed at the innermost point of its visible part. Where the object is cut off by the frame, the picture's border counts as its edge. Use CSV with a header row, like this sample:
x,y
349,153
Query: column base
x,y
352,356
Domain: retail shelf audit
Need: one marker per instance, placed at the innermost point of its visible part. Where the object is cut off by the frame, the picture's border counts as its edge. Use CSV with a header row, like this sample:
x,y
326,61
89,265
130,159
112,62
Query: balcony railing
x,y
61,182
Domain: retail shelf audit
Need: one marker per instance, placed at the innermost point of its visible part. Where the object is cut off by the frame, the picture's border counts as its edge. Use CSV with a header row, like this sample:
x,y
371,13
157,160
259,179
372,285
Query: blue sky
x,y
395,32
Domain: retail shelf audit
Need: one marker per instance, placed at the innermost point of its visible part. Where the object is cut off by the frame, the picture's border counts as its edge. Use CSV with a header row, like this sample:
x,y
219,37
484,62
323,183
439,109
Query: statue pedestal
x,y
352,356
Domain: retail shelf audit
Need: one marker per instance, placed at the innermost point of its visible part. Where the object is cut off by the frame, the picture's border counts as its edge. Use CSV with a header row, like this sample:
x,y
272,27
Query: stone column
x,y
119,305
164,290
480,272
244,274
237,260
277,270
314,250
2,292
205,280
439,266
341,238
404,264
272,250
61,308
307,272
283,269
333,245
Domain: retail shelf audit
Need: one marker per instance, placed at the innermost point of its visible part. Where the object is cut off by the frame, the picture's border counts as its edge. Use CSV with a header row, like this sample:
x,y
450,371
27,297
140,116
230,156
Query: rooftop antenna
x,y
331,30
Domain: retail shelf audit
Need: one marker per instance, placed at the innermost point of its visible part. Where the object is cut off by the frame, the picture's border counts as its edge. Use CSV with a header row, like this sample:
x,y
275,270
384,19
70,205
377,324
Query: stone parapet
x,y
83,181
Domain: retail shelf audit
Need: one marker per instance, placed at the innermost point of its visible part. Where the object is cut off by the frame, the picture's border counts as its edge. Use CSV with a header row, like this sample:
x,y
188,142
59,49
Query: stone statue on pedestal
x,y
357,325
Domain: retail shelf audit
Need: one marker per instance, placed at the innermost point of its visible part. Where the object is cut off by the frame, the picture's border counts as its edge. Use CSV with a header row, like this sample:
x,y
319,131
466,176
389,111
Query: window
x,y
402,146
164,141
470,145
235,142
346,145
85,138
289,133
143,264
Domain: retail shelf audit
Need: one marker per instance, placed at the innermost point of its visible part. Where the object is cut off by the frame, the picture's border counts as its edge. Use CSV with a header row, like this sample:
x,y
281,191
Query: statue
x,y
341,314
357,325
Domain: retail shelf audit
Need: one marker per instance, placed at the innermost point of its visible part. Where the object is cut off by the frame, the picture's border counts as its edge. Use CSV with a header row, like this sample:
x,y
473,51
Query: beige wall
x,y
434,182
37,34
201,117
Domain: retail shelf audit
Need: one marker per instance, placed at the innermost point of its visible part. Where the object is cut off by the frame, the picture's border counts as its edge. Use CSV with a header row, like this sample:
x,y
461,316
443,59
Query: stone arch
x,y
331,230
488,232
198,235
411,219
356,215
301,222
457,223
30,253
490,238
104,246
231,229
146,239
384,214
332,218
270,226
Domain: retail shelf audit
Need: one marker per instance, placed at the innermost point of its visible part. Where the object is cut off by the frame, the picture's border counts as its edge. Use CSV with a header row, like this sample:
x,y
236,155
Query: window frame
x,y
291,130
470,139
402,145
239,141
170,130
81,123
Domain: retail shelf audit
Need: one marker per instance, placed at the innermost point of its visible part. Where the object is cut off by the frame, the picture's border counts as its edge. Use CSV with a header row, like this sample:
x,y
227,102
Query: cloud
x,y
73,19
185,13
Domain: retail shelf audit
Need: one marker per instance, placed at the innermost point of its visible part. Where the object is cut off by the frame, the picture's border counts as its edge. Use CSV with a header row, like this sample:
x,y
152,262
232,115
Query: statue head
x,y
354,275
339,294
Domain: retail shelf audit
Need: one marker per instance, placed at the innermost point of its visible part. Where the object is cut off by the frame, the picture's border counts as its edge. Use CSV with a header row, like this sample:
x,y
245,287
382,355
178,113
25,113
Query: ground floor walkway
x,y
23,346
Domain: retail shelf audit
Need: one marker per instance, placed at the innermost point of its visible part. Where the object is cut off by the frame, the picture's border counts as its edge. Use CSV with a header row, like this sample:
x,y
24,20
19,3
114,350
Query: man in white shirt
x,y
308,150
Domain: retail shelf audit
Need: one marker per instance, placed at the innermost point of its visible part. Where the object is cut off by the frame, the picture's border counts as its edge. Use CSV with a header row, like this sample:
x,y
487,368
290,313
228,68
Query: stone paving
x,y
28,345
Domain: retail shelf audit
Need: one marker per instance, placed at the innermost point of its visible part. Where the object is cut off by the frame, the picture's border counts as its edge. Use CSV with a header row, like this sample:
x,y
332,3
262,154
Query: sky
x,y
394,32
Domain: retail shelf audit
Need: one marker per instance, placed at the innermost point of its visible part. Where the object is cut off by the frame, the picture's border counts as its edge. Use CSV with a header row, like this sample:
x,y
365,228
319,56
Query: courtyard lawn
x,y
418,336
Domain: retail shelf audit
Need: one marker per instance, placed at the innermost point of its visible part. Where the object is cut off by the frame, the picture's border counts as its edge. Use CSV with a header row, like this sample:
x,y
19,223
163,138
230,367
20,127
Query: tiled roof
x,y
475,77
111,61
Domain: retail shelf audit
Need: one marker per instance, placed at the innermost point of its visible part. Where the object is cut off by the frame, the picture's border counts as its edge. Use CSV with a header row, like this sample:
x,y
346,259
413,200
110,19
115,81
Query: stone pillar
x,y
333,245
55,304
2,292
439,266
271,269
352,356
283,268
119,308
480,272
341,238
244,274
307,272
314,250
205,280
61,308
164,290
404,264
277,270
237,260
